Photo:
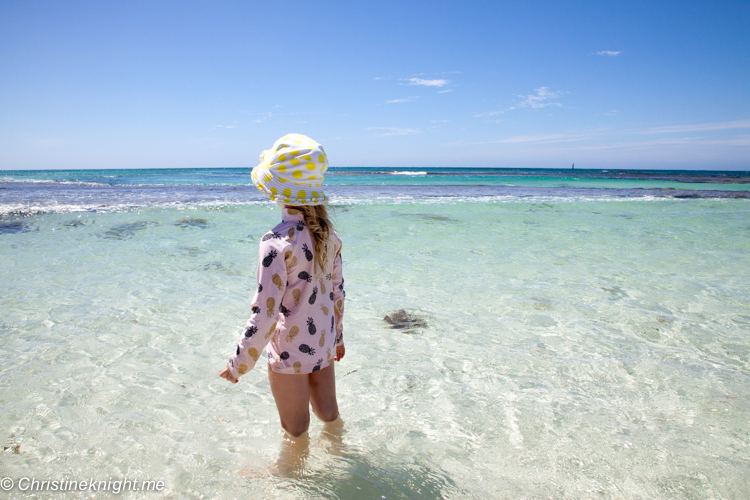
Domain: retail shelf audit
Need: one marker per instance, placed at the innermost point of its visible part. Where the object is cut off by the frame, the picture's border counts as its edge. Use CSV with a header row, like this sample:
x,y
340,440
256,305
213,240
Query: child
x,y
299,304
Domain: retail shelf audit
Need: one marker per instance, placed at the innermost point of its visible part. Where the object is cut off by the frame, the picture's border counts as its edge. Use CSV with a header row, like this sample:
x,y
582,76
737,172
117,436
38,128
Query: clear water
x,y
576,346
349,176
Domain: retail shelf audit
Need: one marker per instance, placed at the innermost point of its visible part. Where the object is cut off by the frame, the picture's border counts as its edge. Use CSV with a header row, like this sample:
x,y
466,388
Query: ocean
x,y
566,334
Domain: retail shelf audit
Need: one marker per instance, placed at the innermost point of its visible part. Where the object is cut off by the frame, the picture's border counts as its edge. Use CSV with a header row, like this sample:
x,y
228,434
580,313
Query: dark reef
x,y
188,222
403,320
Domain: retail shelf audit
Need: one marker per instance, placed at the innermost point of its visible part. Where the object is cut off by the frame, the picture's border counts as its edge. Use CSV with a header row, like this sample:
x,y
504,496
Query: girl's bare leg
x,y
292,393
292,455
331,437
323,394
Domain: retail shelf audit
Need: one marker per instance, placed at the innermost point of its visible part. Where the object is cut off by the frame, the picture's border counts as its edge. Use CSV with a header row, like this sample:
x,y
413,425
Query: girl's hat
x,y
292,171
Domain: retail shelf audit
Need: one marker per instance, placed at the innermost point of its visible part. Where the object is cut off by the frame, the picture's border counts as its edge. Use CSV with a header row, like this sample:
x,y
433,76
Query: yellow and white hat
x,y
292,171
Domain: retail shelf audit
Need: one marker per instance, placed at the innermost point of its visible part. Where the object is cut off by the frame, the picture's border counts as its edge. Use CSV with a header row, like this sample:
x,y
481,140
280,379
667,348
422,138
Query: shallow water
x,y
574,347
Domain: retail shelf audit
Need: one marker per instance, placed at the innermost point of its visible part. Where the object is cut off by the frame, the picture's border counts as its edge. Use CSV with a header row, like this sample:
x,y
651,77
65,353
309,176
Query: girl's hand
x,y
227,374
340,351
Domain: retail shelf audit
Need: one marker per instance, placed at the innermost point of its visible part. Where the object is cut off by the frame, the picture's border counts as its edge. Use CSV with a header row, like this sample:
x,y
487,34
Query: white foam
x,y
62,208
51,181
399,172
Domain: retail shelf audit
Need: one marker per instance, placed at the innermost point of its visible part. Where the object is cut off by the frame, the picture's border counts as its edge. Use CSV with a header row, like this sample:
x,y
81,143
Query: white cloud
x,y
539,100
388,131
489,113
702,127
543,98
544,138
405,99
265,116
444,91
616,139
742,141
428,83
609,53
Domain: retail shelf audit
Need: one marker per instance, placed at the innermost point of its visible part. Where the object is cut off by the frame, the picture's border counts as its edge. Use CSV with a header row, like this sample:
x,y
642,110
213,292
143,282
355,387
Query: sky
x,y
533,84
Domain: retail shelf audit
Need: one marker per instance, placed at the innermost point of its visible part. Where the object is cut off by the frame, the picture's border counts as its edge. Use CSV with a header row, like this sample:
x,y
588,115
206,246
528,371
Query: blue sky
x,y
465,83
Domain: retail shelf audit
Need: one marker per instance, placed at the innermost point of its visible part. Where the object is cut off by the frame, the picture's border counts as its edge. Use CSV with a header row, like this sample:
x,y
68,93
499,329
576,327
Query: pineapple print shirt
x,y
298,308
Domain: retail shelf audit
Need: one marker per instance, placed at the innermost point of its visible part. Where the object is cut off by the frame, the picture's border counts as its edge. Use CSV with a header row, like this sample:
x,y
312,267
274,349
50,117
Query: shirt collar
x,y
296,215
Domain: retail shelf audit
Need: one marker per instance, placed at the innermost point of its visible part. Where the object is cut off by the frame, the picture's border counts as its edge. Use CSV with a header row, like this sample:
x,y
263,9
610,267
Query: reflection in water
x,y
292,456
294,452
331,468
332,437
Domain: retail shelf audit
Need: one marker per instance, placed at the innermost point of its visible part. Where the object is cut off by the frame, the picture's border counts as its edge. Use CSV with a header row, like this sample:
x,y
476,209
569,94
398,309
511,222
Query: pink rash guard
x,y
297,307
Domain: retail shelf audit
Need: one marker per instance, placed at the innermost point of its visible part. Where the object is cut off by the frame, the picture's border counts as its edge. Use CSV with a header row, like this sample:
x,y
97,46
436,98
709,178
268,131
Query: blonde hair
x,y
321,227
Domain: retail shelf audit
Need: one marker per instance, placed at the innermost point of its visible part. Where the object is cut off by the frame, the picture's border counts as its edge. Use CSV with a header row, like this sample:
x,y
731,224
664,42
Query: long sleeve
x,y
272,282
338,297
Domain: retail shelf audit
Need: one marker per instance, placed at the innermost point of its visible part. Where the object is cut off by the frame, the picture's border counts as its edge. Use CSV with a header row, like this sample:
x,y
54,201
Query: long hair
x,y
320,226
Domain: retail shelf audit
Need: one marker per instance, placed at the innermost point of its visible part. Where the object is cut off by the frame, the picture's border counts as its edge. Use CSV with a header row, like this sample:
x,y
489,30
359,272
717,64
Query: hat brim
x,y
287,194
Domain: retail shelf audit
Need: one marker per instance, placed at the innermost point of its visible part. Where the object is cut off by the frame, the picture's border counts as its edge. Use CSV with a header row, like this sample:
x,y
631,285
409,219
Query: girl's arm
x,y
338,298
261,326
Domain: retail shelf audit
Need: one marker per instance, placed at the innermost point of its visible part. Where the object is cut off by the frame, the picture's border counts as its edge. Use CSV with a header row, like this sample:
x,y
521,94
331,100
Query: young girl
x,y
298,308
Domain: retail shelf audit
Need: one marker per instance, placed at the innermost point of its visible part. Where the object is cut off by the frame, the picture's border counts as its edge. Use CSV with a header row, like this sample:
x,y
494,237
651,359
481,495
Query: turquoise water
x,y
574,347
349,176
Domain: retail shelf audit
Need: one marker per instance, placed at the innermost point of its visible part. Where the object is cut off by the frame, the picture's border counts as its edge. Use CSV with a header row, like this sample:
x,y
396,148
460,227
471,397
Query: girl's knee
x,y
295,431
296,428
328,414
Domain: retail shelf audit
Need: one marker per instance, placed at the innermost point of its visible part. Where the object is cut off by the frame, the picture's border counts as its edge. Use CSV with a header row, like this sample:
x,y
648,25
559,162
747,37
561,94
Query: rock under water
x,y
403,320
12,227
125,231
189,222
